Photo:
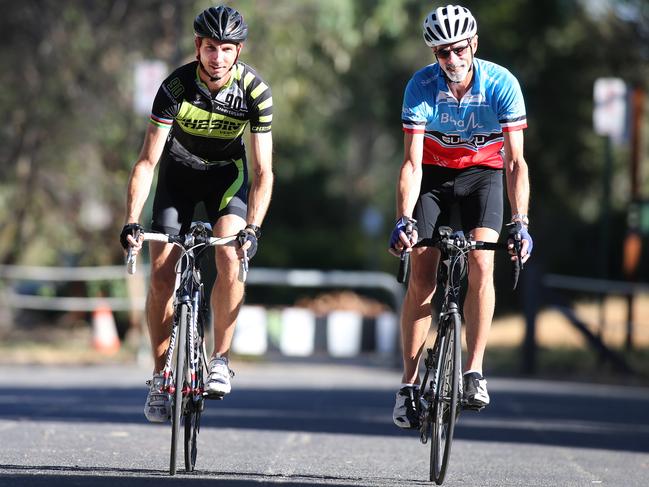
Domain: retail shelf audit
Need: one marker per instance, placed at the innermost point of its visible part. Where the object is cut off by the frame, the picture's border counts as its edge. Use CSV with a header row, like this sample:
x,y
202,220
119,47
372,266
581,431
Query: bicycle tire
x,y
192,426
192,416
179,380
446,401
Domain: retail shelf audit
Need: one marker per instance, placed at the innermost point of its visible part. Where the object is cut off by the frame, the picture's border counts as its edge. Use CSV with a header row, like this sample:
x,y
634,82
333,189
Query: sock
x,y
473,371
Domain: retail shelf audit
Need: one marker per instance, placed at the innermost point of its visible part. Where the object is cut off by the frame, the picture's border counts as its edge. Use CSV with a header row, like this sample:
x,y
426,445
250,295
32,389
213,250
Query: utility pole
x,y
633,240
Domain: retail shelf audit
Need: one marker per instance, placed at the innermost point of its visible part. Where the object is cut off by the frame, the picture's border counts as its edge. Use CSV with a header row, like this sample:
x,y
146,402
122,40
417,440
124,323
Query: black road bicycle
x,y
186,361
440,398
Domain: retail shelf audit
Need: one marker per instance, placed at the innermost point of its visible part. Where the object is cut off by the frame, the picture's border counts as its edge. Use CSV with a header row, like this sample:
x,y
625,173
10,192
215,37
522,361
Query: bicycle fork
x,y
195,348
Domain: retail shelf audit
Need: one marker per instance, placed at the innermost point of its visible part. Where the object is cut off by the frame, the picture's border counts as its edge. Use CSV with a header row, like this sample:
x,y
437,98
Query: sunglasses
x,y
446,53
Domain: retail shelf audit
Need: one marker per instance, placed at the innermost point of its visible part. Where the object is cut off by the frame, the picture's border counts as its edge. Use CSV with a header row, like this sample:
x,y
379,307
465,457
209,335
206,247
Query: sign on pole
x,y
610,112
149,75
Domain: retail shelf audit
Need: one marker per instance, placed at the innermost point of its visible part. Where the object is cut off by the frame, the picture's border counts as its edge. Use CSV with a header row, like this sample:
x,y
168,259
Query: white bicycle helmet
x,y
447,25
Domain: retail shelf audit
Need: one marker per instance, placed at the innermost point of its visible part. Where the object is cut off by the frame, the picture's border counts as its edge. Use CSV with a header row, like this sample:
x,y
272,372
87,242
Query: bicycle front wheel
x,y
195,401
446,400
179,380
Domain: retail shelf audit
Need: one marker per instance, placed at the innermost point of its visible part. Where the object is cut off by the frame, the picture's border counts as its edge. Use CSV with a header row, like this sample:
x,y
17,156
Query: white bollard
x,y
386,332
298,332
344,333
250,334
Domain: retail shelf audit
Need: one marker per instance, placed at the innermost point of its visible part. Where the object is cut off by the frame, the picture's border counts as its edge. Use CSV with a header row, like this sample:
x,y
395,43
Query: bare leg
x,y
416,312
159,303
227,293
480,300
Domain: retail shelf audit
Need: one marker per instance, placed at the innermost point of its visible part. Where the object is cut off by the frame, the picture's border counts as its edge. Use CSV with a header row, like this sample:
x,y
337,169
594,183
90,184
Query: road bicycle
x,y
186,360
440,397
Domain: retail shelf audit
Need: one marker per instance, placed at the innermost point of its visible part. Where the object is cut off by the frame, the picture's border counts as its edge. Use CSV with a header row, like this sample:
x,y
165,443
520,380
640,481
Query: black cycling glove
x,y
518,232
132,229
250,234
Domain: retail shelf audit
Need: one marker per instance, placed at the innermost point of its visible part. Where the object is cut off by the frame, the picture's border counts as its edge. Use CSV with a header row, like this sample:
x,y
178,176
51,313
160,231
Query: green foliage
x,y
338,69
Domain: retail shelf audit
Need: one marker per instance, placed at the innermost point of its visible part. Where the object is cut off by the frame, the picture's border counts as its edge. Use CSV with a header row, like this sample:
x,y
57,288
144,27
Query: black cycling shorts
x,y
460,198
222,189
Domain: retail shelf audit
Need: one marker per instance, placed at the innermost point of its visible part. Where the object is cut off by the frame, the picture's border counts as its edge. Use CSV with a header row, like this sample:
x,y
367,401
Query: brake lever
x,y
404,258
131,259
518,263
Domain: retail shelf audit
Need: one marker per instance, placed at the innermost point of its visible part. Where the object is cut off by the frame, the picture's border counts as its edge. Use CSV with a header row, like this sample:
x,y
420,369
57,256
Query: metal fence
x,y
257,276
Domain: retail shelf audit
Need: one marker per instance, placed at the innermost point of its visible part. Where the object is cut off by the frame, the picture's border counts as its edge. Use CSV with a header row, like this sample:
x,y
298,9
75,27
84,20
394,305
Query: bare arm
x,y
518,184
410,174
408,188
139,183
261,152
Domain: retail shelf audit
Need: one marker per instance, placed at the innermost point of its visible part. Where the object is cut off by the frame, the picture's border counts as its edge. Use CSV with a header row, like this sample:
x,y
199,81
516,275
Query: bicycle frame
x,y
188,290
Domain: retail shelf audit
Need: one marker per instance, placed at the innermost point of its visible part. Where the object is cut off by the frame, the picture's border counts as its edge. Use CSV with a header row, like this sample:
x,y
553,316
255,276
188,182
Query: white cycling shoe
x,y
218,377
157,408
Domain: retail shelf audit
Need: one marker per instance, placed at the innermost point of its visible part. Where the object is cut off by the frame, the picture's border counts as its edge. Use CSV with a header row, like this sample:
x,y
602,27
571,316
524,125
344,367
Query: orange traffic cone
x,y
104,330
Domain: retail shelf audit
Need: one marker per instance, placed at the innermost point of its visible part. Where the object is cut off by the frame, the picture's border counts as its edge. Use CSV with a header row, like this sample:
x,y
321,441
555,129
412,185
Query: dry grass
x,y
554,330
563,351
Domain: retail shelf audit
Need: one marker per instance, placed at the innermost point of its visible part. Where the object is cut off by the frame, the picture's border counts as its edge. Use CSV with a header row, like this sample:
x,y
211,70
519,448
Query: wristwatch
x,y
255,228
521,217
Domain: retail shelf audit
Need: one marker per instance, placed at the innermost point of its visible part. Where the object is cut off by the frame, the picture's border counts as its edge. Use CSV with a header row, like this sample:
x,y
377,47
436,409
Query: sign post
x,y
609,120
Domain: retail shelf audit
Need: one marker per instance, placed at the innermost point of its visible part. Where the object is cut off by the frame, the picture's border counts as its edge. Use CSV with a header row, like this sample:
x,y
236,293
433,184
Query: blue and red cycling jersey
x,y
469,132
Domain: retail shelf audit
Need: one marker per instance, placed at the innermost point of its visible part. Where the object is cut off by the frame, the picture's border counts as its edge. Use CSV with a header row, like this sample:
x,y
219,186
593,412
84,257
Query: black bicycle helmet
x,y
222,23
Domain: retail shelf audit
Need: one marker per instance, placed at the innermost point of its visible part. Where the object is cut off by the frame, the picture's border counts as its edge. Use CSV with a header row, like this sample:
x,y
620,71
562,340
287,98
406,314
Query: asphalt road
x,y
302,424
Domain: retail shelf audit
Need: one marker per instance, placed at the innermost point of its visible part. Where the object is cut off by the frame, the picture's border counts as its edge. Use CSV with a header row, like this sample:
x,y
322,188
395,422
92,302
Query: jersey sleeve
x,y
166,104
511,106
261,102
413,116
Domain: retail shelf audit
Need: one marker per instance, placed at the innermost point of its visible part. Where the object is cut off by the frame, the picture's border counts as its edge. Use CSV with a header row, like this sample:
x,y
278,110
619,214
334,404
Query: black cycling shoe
x,y
405,408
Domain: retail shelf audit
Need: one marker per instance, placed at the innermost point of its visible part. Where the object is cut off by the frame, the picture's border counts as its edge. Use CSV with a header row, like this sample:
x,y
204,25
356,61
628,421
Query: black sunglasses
x,y
446,53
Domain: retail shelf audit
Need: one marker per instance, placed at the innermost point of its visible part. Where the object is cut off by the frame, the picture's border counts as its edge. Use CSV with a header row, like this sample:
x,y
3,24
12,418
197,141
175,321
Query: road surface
x,y
308,423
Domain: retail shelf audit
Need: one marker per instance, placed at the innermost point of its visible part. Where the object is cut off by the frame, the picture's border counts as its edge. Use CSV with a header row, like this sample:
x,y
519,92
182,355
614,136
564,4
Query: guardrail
x,y
256,276
15,273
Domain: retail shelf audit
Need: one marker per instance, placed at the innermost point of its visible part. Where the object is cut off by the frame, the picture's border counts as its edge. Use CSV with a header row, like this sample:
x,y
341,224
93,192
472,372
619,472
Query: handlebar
x,y
187,242
450,241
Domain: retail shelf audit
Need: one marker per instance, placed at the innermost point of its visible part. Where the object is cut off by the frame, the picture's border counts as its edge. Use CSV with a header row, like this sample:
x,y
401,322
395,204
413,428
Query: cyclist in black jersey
x,y
196,134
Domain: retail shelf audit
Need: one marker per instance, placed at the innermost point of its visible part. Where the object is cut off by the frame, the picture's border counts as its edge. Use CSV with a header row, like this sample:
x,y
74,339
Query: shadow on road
x,y
46,476
565,419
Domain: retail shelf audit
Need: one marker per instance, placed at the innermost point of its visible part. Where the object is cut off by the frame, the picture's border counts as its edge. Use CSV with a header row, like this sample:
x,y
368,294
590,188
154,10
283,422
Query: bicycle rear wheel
x,y
192,427
446,401
179,381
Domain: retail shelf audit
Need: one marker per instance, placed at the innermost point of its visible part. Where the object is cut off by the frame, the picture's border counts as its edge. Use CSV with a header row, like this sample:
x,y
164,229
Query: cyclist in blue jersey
x,y
196,134
463,121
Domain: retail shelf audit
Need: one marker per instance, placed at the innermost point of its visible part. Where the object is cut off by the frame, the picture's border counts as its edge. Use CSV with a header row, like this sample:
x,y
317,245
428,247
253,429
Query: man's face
x,y
455,59
217,57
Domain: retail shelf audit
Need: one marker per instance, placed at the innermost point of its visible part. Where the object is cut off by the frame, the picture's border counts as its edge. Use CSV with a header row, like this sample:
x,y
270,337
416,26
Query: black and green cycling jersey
x,y
208,128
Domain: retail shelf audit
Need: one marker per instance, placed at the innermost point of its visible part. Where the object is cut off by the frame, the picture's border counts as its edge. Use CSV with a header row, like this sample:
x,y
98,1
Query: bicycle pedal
x,y
213,396
472,407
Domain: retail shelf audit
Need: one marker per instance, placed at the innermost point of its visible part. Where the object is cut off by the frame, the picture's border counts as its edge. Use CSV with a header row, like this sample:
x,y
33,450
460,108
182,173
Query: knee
x,y
163,278
481,268
227,261
421,287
